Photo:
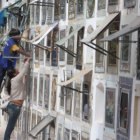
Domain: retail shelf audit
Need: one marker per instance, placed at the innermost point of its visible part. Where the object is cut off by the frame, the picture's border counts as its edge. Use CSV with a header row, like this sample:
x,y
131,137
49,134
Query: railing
x,y
113,2
129,3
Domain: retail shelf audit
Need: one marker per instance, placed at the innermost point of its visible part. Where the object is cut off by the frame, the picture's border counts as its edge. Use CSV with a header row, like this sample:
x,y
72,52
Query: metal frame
x,y
38,3
13,4
123,41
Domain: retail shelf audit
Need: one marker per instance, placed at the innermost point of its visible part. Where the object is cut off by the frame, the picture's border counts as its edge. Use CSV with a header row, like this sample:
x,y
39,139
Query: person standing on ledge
x,y
15,89
11,49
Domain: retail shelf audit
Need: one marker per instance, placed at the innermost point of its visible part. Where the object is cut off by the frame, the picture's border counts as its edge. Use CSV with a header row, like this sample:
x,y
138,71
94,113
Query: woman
x,y
15,88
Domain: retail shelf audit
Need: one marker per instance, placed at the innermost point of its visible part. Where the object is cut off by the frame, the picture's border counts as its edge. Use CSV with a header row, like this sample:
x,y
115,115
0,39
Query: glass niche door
x,y
124,108
90,8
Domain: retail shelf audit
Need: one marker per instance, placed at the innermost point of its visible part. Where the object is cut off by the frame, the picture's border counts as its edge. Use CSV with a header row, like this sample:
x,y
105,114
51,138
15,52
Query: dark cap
x,y
14,32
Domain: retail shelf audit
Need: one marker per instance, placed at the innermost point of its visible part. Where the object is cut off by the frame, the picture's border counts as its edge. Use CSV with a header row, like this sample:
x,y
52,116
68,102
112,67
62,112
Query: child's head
x,y
11,72
14,32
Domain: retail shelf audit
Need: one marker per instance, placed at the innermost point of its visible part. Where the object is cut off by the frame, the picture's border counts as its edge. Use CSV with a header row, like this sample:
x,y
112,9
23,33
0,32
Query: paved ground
x,y
2,130
15,135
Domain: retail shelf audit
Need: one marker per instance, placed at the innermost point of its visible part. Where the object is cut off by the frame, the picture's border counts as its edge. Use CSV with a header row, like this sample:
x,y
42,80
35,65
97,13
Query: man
x,y
11,49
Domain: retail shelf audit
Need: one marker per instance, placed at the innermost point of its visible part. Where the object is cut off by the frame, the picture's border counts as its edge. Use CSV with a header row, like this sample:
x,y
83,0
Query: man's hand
x,y
24,52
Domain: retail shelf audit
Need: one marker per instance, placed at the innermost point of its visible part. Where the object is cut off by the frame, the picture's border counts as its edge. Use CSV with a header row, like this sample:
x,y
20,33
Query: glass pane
x,y
113,2
32,14
85,104
46,91
62,9
31,87
33,119
49,45
77,101
13,22
37,14
59,133
37,53
41,52
99,56
101,4
68,103
61,52
29,119
54,91
84,136
66,134
56,9
113,50
71,9
138,56
49,13
39,136
129,3
54,47
79,57
52,132
113,45
44,13
90,8
45,133
70,47
124,111
24,121
80,7
40,90
110,108
62,94
74,135
35,90
125,49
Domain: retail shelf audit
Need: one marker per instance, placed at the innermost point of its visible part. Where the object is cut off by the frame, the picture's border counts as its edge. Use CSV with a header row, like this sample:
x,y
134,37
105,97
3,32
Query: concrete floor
x,y
14,136
2,131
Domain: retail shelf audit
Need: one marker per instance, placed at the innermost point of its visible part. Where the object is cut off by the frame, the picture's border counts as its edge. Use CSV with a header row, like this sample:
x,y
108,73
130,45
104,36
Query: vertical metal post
x,y
27,107
28,82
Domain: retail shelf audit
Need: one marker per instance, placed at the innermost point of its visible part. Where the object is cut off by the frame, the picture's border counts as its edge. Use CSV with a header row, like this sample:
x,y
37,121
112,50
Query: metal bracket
x,y
38,3
42,47
128,41
94,48
105,50
66,50
83,92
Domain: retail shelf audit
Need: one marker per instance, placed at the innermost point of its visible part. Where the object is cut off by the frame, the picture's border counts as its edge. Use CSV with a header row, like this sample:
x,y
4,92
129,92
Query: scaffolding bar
x,y
10,57
42,5
43,2
94,48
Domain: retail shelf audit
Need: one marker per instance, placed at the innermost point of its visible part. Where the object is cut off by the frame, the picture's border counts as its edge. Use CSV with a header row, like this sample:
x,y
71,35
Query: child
x,y
16,91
